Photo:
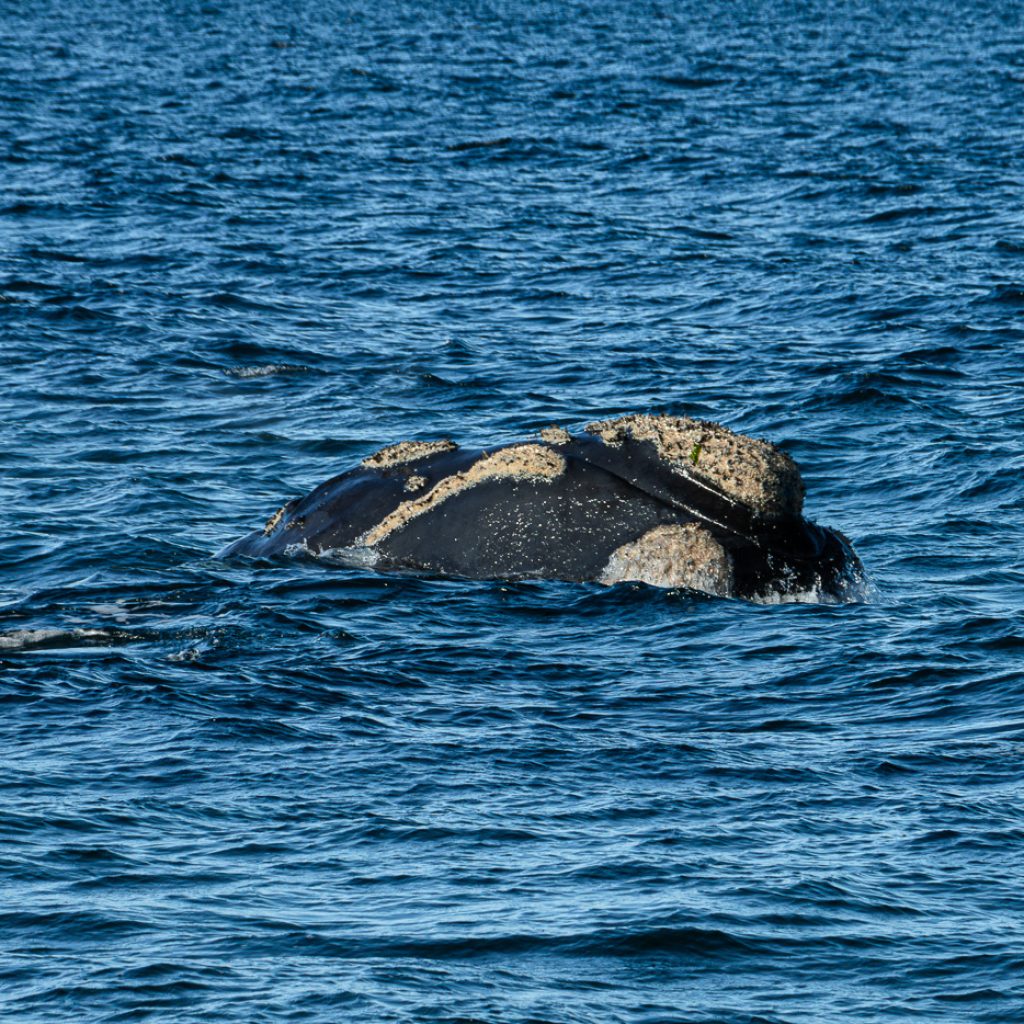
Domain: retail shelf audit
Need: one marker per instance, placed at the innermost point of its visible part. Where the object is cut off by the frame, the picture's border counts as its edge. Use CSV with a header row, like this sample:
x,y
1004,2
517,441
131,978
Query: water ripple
x,y
245,249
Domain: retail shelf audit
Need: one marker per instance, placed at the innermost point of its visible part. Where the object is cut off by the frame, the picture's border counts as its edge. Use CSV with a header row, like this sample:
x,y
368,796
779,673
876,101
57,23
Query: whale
x,y
667,501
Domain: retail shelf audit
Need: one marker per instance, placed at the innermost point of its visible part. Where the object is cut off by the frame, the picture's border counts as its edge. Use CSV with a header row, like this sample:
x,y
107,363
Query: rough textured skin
x,y
523,462
406,451
750,471
664,500
274,520
673,556
555,435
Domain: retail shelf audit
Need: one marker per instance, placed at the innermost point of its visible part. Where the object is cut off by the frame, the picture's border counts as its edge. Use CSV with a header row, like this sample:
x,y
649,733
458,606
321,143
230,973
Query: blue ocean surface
x,y
242,245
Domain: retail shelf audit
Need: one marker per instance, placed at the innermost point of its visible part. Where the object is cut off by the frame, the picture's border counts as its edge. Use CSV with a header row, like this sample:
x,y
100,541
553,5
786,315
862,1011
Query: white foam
x,y
853,588
19,639
356,557
265,371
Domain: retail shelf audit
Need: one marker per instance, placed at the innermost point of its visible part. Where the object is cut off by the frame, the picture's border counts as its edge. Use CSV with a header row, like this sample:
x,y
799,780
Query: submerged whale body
x,y
664,500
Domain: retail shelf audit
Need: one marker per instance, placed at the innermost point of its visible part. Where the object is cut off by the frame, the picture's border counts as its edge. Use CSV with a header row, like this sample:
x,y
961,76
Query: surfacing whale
x,y
664,500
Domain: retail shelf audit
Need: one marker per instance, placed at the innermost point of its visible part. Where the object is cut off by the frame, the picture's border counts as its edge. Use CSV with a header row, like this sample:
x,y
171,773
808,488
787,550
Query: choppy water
x,y
243,245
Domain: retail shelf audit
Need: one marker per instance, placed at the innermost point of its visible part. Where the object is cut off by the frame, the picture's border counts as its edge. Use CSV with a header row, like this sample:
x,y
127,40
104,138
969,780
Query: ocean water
x,y
241,246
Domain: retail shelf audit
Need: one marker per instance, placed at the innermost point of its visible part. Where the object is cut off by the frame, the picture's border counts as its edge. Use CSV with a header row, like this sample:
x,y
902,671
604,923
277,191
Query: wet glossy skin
x,y
562,528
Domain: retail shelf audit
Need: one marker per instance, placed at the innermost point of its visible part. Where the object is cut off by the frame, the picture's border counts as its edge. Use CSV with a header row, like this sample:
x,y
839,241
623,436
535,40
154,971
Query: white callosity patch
x,y
520,462
415,483
274,520
406,451
555,435
748,470
673,556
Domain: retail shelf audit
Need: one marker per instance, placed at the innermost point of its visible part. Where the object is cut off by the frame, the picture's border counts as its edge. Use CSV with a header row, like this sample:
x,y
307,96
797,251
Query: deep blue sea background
x,y
241,246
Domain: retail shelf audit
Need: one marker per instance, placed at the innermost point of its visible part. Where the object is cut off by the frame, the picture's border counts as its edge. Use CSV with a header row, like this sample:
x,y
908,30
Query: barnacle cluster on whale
x,y
665,500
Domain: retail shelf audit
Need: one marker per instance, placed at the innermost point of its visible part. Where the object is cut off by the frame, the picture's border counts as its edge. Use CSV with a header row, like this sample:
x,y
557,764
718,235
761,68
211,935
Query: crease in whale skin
x,y
663,500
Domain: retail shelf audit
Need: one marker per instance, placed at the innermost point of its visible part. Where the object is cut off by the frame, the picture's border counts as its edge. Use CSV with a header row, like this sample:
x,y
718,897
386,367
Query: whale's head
x,y
741,529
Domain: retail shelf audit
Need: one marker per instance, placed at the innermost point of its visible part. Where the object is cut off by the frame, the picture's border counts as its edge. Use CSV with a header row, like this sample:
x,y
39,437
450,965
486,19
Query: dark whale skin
x,y
565,528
